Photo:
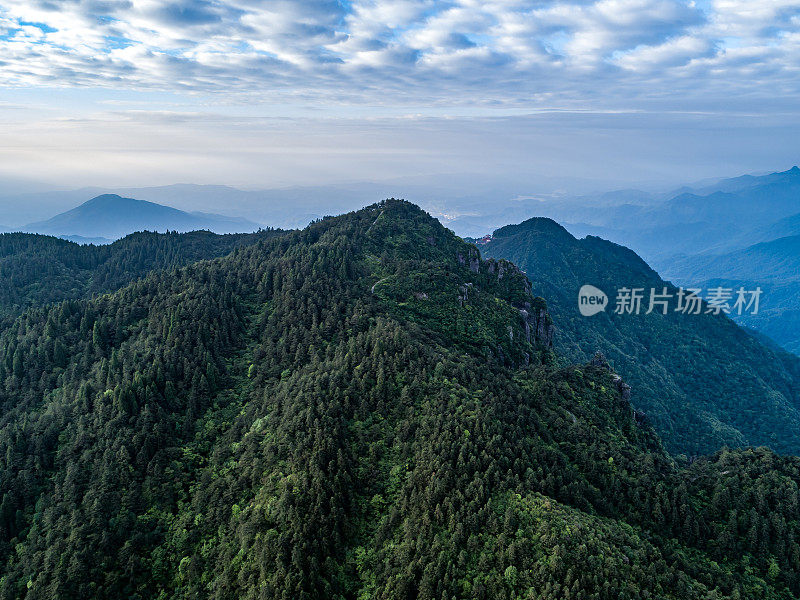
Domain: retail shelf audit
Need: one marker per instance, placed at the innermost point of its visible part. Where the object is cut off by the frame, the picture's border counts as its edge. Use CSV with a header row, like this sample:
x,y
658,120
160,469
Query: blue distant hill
x,y
111,217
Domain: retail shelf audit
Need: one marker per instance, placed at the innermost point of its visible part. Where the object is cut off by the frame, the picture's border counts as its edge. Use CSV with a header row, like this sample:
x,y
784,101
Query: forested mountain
x,y
682,231
111,216
701,379
37,269
362,409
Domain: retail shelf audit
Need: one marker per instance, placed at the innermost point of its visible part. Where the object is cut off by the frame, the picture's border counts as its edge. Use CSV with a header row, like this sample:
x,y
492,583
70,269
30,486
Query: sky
x,y
572,94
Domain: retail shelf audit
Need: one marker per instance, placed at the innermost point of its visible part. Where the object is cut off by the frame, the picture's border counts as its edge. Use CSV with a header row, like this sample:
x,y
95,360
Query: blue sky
x,y
261,94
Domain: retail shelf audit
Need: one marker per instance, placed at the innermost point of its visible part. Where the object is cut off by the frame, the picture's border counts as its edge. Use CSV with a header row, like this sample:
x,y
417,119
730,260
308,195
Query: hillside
x,y
702,380
735,232
773,266
786,227
771,262
111,217
38,270
363,409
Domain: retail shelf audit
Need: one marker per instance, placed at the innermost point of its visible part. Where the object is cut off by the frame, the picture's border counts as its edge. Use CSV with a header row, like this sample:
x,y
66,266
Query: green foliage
x,y
38,270
701,380
275,424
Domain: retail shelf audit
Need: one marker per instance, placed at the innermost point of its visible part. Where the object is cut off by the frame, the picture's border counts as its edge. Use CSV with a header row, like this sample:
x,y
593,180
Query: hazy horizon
x,y
471,206
585,96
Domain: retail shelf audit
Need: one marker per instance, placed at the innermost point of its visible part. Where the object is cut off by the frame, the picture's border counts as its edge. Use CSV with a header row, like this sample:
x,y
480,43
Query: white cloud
x,y
675,52
465,52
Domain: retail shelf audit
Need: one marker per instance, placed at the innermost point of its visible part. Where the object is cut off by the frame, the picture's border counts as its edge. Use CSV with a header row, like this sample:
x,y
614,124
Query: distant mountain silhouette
x,y
773,266
776,260
79,239
111,216
730,214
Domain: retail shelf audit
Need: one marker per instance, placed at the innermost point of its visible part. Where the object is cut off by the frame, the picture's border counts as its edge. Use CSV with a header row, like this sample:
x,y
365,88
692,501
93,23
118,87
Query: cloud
x,y
406,52
672,53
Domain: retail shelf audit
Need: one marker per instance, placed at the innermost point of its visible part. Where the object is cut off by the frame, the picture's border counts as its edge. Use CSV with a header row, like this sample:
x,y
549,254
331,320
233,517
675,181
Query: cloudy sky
x,y
284,92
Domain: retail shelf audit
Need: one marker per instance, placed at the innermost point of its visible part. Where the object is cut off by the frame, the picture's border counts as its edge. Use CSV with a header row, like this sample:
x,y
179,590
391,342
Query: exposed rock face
x,y
538,324
599,360
545,331
527,322
473,258
500,267
463,293
623,388
475,264
536,320
640,418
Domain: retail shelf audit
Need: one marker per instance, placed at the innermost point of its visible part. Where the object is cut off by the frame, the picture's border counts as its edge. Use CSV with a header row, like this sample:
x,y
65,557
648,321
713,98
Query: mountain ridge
x,y
42,269
274,423
772,266
696,376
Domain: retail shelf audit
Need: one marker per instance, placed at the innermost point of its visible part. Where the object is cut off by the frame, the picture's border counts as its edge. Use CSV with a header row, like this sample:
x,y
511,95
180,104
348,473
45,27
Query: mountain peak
x,y
115,202
103,197
109,198
113,216
368,409
538,225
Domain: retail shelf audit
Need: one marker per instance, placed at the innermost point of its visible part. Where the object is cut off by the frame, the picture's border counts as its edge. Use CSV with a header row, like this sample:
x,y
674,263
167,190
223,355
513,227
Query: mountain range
x,y
292,207
773,267
728,215
368,408
691,235
692,411
702,380
667,228
703,235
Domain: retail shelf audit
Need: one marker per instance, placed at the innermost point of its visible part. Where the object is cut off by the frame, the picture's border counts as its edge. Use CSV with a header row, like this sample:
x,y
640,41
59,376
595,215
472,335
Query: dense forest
x,y
703,381
361,409
39,269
